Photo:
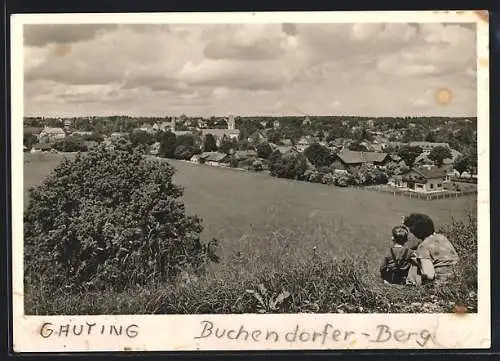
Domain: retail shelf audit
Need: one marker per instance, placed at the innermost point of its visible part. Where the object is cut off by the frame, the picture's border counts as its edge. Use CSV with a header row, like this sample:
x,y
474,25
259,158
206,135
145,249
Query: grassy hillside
x,y
282,233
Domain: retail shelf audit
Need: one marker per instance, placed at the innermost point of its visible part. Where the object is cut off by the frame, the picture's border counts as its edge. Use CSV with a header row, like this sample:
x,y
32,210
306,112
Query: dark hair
x,y
420,225
400,234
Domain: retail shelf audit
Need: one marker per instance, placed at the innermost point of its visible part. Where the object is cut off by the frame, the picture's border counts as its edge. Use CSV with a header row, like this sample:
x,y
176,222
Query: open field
x,y
236,205
266,224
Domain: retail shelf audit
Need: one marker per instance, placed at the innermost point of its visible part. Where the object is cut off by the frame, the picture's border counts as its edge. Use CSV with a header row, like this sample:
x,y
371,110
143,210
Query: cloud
x,y
43,34
149,69
247,42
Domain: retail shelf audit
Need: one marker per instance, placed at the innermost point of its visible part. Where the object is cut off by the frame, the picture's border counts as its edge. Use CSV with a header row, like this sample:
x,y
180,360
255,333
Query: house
x,y
50,135
395,157
80,133
213,158
148,128
245,154
218,134
428,146
109,144
67,124
195,158
421,180
276,124
33,130
423,158
338,143
303,143
154,148
395,145
370,123
90,144
41,147
118,135
163,126
257,137
351,160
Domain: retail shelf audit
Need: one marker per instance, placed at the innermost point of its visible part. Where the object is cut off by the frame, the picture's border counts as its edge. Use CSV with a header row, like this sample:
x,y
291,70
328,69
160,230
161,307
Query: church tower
x,y
231,123
172,124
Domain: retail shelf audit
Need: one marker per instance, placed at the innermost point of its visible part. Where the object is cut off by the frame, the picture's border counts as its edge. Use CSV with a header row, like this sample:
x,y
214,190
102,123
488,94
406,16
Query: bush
x,y
70,144
290,165
185,152
264,150
109,220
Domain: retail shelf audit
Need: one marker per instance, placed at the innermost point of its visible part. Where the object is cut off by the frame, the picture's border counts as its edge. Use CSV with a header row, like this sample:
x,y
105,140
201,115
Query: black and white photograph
x,y
252,168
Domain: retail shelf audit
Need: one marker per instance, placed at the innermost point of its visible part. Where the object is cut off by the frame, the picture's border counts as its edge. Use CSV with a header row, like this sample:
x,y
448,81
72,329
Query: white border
x,y
173,332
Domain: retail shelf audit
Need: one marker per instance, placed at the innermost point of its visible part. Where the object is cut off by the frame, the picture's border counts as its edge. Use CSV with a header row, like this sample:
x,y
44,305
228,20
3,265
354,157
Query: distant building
x,y
50,135
351,160
213,158
421,180
231,123
303,143
154,148
231,131
41,147
306,121
276,124
257,137
67,124
80,133
245,154
118,135
428,146
90,144
148,128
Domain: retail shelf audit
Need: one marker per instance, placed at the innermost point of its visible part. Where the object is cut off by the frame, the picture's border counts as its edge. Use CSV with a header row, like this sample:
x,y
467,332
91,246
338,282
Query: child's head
x,y
400,234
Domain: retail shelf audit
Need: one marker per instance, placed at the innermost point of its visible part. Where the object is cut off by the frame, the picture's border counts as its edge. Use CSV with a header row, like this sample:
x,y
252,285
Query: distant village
x,y
423,155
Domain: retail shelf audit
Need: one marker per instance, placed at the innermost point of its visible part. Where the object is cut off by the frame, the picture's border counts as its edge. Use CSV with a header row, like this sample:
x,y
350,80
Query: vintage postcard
x,y
250,181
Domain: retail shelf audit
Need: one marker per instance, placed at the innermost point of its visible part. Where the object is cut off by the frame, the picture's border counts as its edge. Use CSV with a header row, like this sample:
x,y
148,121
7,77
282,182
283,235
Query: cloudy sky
x,y
249,69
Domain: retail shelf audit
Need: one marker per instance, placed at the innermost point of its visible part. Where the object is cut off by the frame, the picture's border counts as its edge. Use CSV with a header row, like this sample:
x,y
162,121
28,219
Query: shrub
x,y
185,152
70,144
109,219
290,165
264,150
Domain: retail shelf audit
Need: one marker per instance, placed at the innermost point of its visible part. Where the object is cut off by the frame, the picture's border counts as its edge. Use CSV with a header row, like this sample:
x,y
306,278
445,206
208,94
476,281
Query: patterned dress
x,y
438,249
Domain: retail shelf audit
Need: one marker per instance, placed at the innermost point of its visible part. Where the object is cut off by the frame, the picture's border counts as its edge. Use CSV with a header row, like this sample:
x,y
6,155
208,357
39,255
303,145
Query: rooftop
x,y
352,157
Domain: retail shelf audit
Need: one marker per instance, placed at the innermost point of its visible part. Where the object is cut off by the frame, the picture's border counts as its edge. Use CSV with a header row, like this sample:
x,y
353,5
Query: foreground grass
x,y
315,283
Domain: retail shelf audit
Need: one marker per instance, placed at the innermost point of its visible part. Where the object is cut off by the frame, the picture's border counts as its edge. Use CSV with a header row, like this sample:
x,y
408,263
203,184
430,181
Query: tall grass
x,y
284,278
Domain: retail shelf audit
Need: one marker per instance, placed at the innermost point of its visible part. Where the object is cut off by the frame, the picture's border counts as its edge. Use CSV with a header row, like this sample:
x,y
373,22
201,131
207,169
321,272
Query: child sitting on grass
x,y
396,265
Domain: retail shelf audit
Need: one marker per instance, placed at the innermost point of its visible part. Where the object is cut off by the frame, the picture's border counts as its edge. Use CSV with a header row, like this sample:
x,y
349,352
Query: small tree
x,y
409,154
264,150
209,145
184,152
187,140
289,165
461,164
141,138
439,154
29,140
227,144
318,155
357,147
167,145
109,219
70,144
